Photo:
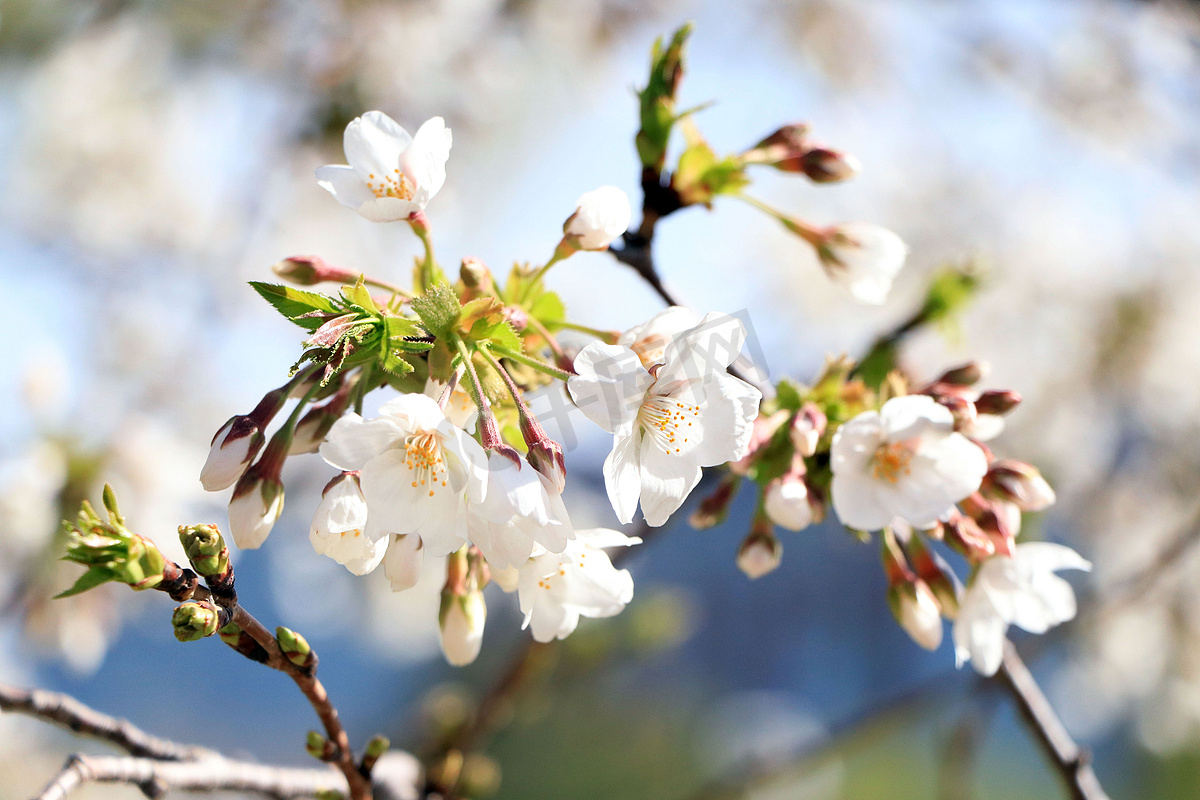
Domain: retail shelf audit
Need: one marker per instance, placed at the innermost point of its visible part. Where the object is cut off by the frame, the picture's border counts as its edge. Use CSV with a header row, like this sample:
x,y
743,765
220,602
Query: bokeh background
x,y
154,156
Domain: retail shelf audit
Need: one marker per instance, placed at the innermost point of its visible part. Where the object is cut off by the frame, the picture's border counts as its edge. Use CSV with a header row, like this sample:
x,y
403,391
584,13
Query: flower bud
x,y
863,259
997,403
295,648
787,504
256,505
825,165
936,574
760,551
545,454
310,270
402,561
205,549
110,552
231,634
1018,483
233,448
790,150
916,609
475,274
195,620
601,215
714,509
808,427
964,375
320,748
461,618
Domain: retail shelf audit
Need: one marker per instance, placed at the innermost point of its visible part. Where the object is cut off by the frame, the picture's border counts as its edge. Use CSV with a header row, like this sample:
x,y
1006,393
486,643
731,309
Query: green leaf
x,y
499,333
438,308
88,580
548,308
657,100
789,395
295,303
359,297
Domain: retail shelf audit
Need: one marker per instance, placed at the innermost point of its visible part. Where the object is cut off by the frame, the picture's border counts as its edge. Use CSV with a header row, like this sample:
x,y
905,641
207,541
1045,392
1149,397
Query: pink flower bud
x,y
1020,484
759,553
233,448
310,270
787,503
807,429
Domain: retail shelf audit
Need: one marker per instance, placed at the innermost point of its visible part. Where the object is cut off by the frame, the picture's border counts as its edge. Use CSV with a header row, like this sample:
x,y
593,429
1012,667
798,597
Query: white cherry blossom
x,y
253,511
650,339
462,619
787,503
670,421
1020,590
417,470
339,527
905,461
601,215
556,590
402,561
863,259
520,510
390,174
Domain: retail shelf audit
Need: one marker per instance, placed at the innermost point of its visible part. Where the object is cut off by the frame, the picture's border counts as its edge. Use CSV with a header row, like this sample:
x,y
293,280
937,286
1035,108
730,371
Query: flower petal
x,y
667,479
424,163
345,184
621,476
373,144
609,385
353,441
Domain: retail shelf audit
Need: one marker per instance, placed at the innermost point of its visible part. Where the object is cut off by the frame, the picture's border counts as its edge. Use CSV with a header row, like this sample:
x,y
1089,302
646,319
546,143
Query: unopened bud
x,y
545,454
491,439
233,448
936,574
475,274
997,403
402,561
110,552
964,375
461,618
255,507
808,427
825,165
787,503
961,409
310,270
714,509
320,748
916,609
964,535
195,620
231,634
378,745
295,647
601,215
205,549
760,551
1019,483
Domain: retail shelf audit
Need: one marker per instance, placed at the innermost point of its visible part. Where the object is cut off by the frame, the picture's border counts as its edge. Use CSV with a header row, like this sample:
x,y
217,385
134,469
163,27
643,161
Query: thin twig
x,y
1073,763
74,715
211,774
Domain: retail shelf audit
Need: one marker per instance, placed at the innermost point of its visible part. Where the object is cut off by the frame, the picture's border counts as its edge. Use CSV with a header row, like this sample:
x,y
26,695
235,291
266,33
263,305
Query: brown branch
x,y
74,715
318,698
209,774
1073,763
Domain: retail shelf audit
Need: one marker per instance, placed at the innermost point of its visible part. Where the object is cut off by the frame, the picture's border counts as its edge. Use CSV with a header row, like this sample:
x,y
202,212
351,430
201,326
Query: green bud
x,y
110,504
328,794
205,548
294,646
377,746
657,100
231,634
318,746
195,620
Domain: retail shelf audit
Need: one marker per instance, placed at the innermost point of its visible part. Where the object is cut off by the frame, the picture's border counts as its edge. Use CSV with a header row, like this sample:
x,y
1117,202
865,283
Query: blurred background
x,y
154,156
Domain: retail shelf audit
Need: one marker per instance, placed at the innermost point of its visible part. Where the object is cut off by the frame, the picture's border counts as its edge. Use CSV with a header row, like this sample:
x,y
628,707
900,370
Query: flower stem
x,y
546,334
521,358
608,337
806,231
390,287
472,378
420,225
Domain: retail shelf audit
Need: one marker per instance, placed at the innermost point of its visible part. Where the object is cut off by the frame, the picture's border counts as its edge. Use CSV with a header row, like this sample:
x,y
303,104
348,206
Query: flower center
x,y
891,461
395,185
666,420
423,457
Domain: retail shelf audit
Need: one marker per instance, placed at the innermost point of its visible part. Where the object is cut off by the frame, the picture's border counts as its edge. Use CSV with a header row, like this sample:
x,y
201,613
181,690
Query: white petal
x,y
402,563
386,209
622,478
373,144
413,412
725,421
353,441
708,348
609,386
667,479
425,161
857,503
345,184
597,538
650,338
914,415
979,634
855,442
866,260
1050,557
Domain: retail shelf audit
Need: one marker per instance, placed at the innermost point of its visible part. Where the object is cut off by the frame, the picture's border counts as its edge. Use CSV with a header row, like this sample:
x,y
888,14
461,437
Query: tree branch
x,y
210,774
74,715
1073,763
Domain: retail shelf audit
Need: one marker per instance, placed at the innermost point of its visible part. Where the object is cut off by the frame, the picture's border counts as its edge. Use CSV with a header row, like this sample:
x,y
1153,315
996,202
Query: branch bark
x,y
74,715
1073,763
209,774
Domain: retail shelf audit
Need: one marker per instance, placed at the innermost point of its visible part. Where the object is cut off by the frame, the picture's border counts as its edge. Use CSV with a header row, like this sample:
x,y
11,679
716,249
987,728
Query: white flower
x,y
233,448
519,510
391,174
556,590
903,461
917,611
667,423
417,470
863,259
460,408
402,561
600,217
650,339
253,511
339,527
1020,590
462,619
787,503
